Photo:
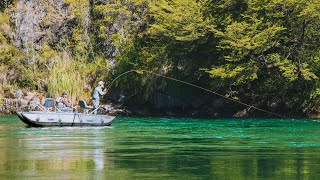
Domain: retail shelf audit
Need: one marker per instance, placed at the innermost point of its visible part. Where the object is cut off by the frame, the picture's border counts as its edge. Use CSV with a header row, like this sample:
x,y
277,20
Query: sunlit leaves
x,y
287,68
182,20
240,39
312,10
236,74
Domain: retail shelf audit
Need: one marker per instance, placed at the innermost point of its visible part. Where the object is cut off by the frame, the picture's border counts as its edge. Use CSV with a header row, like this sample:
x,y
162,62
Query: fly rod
x,y
140,72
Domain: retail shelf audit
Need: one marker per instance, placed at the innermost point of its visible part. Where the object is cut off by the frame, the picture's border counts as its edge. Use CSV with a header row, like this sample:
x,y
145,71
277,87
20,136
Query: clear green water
x,y
163,148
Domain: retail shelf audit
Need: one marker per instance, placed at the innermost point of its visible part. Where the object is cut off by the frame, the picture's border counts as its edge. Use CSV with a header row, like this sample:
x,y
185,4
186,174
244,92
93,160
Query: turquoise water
x,y
163,148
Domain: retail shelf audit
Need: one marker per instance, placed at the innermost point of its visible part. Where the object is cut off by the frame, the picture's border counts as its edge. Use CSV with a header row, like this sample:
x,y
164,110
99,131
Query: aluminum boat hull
x,y
43,119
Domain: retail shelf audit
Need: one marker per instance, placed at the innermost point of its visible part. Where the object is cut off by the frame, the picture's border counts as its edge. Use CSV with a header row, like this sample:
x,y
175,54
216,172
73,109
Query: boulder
x,y
242,113
28,98
31,94
18,94
23,102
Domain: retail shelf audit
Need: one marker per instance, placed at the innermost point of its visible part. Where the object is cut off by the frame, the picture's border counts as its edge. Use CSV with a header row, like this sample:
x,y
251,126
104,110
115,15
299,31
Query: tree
x,y
270,41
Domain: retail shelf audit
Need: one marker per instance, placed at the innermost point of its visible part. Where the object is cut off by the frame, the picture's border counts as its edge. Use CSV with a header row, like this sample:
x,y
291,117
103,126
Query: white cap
x,y
100,82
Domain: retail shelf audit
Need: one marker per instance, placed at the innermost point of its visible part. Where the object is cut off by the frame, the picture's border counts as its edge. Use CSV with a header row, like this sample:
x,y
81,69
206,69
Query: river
x,y
163,148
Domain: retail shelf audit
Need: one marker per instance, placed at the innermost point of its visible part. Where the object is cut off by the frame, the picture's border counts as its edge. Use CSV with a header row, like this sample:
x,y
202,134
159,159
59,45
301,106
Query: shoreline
x,y
196,117
123,112
28,101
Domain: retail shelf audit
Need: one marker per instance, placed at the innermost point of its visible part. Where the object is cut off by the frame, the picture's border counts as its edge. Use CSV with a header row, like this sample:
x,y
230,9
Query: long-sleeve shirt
x,y
97,92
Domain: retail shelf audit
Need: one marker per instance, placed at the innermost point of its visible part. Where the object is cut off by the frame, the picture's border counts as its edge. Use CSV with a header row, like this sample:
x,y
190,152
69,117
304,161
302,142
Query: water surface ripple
x,y
159,148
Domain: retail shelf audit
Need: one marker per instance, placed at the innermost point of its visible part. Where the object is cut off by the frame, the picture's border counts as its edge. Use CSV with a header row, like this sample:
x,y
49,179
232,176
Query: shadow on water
x,y
158,148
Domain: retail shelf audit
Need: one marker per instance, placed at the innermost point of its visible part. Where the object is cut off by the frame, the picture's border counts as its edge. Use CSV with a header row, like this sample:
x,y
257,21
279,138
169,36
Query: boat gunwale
x,y
33,123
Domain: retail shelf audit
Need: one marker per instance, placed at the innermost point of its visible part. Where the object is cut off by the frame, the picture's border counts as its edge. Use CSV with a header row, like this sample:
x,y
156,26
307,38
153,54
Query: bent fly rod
x,y
140,72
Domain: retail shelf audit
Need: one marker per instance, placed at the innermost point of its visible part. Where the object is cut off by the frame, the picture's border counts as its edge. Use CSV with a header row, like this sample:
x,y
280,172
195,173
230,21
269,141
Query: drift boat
x,y
47,117
39,118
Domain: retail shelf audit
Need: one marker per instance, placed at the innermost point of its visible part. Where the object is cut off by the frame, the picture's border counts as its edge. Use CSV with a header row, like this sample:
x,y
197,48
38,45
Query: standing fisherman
x,y
97,93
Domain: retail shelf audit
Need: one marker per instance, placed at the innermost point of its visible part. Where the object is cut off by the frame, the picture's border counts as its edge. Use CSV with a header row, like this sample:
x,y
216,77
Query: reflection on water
x,y
158,148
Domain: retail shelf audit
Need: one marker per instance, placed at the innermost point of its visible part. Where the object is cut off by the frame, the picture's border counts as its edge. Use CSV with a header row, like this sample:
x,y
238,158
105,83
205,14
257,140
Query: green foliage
x,y
265,51
280,37
5,31
79,8
66,75
238,74
182,20
242,40
79,42
97,70
116,24
287,68
253,48
27,80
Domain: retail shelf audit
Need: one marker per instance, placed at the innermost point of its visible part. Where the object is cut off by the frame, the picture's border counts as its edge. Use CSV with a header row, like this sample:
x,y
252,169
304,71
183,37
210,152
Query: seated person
x,y
63,102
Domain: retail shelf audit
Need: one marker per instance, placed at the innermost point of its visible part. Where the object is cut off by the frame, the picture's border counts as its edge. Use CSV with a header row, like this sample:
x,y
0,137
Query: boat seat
x,y
84,106
49,104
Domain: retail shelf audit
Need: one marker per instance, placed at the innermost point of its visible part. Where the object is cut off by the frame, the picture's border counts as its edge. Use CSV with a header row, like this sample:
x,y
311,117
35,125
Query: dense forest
x,y
261,52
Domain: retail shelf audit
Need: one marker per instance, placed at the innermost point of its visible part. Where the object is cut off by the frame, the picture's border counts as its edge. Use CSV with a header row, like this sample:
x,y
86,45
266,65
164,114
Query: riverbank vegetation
x,y
264,53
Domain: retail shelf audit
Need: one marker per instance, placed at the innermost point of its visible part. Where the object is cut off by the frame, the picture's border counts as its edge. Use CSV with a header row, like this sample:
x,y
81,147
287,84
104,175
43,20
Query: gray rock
x,y
23,102
28,98
37,22
31,94
18,94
